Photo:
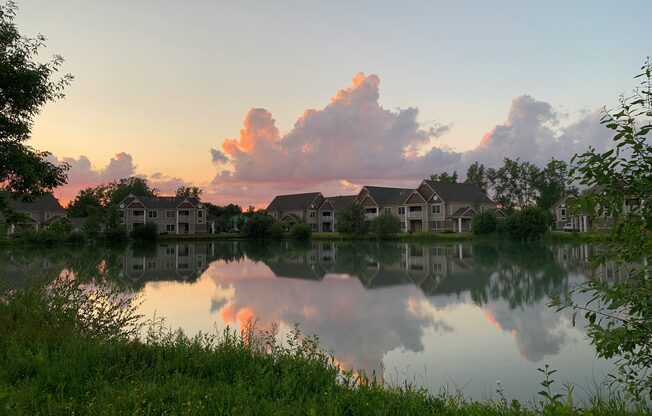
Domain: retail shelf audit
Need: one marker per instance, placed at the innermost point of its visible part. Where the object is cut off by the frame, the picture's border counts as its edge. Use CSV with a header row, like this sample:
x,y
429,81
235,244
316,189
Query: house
x,y
39,214
562,213
171,214
327,213
293,208
378,200
450,206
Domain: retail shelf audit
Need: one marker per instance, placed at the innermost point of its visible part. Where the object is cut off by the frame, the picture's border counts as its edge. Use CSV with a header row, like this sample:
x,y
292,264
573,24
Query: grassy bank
x,y
56,361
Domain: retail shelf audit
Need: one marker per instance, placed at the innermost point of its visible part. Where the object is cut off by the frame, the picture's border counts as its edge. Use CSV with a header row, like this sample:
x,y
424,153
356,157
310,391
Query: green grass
x,y
56,361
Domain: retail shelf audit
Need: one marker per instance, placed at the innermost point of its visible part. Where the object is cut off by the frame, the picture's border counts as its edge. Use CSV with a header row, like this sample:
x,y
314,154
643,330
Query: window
x,y
151,264
47,215
388,210
170,214
152,214
311,214
200,214
326,214
402,225
436,225
170,228
313,226
482,207
437,267
169,250
401,210
562,213
436,209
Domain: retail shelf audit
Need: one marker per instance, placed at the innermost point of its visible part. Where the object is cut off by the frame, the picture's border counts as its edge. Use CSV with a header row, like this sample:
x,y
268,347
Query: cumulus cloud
x,y
354,140
83,175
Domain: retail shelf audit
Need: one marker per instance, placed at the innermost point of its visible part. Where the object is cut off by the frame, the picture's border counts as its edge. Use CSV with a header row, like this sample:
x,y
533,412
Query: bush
x,y
351,221
258,226
276,230
146,232
76,238
529,224
385,225
485,223
300,231
116,234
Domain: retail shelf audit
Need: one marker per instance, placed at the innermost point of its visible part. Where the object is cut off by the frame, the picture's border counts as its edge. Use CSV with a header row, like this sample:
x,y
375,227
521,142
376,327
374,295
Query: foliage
x,y
188,191
145,233
223,215
26,85
444,177
118,190
514,184
385,226
300,231
620,312
81,341
86,202
552,183
529,224
485,223
93,224
477,174
276,230
258,226
351,221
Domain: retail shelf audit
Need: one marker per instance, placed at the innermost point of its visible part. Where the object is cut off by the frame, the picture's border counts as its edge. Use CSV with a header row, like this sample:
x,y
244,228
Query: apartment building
x,y
170,214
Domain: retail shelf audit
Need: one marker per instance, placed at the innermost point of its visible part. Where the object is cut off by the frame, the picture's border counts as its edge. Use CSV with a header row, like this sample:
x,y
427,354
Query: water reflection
x,y
462,309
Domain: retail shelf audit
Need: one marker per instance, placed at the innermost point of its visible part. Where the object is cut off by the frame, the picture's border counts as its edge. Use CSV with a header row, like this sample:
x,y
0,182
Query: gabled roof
x,y
44,203
560,201
388,196
464,212
293,202
163,202
459,192
340,202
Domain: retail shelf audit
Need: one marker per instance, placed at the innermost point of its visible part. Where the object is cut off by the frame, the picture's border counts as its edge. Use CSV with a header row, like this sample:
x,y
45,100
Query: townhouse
x,y
170,214
432,206
38,214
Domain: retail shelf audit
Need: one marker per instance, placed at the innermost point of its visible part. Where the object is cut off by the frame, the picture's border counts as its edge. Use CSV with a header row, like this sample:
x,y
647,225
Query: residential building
x,y
293,208
327,213
562,213
450,206
39,214
378,200
171,214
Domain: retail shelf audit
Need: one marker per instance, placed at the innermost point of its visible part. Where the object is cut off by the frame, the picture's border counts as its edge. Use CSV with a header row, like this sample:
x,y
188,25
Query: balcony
x,y
415,214
370,215
184,218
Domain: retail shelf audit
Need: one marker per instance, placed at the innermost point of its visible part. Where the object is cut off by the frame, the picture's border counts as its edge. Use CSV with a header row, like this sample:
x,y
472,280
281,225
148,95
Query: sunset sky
x,y
251,99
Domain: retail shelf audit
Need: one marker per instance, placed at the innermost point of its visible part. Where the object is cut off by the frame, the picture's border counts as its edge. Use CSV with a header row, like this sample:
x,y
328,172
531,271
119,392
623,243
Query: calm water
x,y
453,316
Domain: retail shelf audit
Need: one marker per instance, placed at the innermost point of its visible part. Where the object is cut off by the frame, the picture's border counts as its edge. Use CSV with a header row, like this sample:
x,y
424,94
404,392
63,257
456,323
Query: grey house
x,y
171,214
39,214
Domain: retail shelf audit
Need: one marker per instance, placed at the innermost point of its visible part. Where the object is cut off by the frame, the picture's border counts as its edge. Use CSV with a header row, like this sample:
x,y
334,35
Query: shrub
x,y
529,224
485,223
258,226
300,231
351,221
116,234
146,232
76,238
276,230
385,225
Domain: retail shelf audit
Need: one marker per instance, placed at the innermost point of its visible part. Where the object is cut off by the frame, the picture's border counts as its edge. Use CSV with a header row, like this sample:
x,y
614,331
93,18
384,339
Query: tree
x,y
86,201
444,177
351,220
620,313
188,191
118,190
529,224
25,87
476,174
514,184
258,226
485,223
385,226
145,233
300,231
552,183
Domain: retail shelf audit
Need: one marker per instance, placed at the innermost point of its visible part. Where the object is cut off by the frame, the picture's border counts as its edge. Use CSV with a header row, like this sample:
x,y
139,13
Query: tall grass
x,y
72,348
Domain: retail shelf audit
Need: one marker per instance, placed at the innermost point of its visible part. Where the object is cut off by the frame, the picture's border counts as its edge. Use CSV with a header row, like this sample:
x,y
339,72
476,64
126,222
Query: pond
x,y
443,316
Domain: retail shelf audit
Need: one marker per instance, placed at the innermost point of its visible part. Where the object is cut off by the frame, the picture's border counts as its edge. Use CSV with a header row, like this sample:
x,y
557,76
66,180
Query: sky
x,y
252,99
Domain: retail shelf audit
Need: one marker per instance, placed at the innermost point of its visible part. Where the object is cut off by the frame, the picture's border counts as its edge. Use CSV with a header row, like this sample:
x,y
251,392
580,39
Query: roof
x,y
462,212
388,196
44,203
292,202
340,202
560,201
459,192
164,202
